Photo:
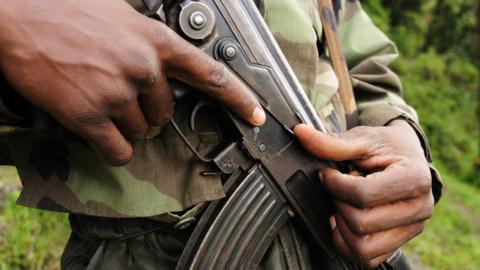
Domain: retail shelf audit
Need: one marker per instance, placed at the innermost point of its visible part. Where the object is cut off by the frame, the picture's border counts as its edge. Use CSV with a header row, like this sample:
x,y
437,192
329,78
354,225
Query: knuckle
x,y
169,112
361,248
370,264
89,122
162,118
167,42
163,34
144,73
122,157
415,230
361,196
85,117
426,211
419,172
330,178
418,229
115,101
155,32
159,118
218,78
143,68
359,225
139,132
165,118
424,182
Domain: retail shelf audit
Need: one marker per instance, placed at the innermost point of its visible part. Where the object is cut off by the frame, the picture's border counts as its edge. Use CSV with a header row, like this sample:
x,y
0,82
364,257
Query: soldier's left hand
x,y
380,210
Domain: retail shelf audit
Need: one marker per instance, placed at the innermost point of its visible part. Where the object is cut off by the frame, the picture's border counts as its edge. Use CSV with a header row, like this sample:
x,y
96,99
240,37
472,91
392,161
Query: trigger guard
x,y
200,104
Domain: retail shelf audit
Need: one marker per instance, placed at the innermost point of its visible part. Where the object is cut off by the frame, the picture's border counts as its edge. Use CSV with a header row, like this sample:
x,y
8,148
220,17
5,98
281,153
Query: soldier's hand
x,y
382,209
100,68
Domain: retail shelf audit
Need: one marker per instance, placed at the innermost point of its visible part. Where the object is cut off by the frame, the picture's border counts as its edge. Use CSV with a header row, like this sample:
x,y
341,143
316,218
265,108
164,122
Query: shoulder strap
x,y
338,61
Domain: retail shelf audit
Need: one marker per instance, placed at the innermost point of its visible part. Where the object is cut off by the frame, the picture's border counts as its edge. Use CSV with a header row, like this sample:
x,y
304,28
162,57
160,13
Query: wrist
x,y
436,178
400,122
405,125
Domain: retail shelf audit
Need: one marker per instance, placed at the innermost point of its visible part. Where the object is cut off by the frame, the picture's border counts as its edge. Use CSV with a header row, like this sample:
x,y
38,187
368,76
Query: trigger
x,y
200,104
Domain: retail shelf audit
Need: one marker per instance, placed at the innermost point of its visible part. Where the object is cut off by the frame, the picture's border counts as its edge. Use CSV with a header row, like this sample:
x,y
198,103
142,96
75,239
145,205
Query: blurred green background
x,y
439,69
438,40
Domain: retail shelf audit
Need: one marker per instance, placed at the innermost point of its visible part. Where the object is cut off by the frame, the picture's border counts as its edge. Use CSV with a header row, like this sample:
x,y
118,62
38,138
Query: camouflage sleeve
x,y
369,52
378,90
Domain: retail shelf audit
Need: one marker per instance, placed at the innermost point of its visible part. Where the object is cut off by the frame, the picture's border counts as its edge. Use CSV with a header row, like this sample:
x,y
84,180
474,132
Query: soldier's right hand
x,y
100,68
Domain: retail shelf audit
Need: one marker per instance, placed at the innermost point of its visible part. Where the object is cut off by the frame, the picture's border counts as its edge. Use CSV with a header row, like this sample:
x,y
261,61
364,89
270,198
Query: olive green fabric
x,y
135,243
143,244
67,175
59,172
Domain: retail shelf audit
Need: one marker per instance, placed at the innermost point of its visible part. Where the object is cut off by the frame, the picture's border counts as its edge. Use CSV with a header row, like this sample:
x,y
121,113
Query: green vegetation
x,y
452,237
437,41
29,239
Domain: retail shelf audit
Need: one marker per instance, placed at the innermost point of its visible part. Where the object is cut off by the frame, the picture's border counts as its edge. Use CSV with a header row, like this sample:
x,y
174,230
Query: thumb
x,y
328,147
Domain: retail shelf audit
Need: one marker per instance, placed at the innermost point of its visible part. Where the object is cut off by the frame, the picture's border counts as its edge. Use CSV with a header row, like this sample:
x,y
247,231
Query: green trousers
x,y
143,244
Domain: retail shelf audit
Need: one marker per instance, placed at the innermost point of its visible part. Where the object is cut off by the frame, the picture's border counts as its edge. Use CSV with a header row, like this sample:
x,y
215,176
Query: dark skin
x,y
380,210
100,68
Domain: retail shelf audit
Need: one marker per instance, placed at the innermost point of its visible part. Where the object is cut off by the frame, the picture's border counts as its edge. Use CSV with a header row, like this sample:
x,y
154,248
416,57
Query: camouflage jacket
x,y
59,172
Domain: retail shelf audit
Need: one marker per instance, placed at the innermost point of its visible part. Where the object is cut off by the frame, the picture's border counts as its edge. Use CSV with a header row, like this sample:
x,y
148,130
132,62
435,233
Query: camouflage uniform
x,y
60,172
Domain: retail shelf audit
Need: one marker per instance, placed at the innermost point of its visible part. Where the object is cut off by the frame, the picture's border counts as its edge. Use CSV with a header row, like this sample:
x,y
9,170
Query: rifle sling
x,y
327,17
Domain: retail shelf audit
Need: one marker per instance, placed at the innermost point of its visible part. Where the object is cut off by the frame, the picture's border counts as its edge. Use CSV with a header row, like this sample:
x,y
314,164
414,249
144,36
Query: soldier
x,y
100,69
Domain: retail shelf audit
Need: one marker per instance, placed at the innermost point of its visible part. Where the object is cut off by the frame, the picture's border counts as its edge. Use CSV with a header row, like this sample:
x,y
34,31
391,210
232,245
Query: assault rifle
x,y
271,177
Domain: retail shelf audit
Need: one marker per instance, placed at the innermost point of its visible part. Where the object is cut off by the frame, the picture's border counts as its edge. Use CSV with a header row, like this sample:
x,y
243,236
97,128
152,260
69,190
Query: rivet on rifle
x,y
184,223
256,131
230,52
290,212
262,147
198,20
230,163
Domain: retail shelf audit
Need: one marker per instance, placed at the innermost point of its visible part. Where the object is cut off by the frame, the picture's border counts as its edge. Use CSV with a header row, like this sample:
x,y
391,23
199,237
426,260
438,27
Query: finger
x,y
372,263
327,147
131,121
157,102
112,145
347,253
192,66
340,243
104,136
395,183
377,162
355,173
378,244
387,216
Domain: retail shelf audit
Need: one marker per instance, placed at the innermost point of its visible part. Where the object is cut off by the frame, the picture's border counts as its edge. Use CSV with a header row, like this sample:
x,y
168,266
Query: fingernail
x,y
258,116
320,175
333,223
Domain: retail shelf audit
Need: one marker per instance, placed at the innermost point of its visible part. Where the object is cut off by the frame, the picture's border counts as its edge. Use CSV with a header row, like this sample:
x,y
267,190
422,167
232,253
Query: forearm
x,y
8,14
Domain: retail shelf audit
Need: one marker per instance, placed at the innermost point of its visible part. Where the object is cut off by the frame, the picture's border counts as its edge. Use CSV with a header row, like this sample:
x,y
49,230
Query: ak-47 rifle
x,y
271,177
